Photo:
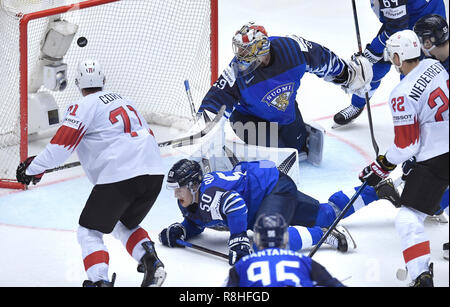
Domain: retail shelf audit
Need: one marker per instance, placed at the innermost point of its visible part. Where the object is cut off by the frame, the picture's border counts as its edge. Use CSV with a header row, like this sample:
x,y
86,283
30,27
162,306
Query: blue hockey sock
x,y
303,237
337,202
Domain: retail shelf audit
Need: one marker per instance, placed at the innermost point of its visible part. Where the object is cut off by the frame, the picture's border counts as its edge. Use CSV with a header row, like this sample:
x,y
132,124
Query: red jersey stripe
x,y
407,135
68,137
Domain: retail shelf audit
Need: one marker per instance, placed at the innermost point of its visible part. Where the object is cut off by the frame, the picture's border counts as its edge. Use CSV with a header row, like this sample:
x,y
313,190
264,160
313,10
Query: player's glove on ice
x,y
22,177
408,166
239,246
169,236
377,171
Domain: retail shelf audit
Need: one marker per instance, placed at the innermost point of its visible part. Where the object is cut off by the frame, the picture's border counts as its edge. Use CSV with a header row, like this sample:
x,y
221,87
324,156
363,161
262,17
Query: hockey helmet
x,y
249,44
271,231
184,173
405,44
89,75
432,31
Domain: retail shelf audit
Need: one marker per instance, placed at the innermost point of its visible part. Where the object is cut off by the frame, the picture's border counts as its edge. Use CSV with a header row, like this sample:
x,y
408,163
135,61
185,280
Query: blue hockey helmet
x,y
184,173
432,30
271,231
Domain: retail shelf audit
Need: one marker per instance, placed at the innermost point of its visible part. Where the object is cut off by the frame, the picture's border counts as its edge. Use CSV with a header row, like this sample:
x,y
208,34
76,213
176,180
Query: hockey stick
x,y
338,219
190,99
231,156
369,113
68,165
183,141
201,248
286,165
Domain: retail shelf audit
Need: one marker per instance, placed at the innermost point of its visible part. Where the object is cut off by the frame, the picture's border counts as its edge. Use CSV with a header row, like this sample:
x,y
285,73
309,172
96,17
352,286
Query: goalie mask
x,y
432,31
89,75
250,43
405,44
271,231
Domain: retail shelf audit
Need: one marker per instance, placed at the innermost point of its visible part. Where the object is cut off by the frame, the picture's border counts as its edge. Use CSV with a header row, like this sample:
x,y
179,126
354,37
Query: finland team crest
x,y
279,96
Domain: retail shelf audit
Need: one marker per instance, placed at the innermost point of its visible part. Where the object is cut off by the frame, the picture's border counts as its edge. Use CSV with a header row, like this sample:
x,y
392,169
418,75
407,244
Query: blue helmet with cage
x,y
271,231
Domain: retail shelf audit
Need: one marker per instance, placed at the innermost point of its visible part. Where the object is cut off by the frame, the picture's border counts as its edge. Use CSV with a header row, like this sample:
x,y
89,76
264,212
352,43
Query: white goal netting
x,y
146,48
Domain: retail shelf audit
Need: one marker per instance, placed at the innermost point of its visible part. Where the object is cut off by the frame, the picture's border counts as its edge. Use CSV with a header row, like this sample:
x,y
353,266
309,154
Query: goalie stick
x,y
180,142
284,167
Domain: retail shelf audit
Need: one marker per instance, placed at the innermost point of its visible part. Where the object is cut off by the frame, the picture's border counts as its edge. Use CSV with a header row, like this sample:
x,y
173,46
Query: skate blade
x,y
159,278
441,219
347,234
337,126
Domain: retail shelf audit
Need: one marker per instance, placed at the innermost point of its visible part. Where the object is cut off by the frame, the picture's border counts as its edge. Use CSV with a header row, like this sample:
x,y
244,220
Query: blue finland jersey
x,y
398,15
274,267
231,199
270,92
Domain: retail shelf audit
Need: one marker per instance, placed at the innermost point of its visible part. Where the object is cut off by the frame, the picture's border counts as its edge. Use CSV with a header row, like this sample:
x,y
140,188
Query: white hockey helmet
x,y
405,44
89,74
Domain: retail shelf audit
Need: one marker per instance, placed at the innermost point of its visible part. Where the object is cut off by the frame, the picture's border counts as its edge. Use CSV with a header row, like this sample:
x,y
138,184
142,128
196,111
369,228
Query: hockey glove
x,y
387,190
359,76
171,234
377,171
239,246
407,167
372,56
22,177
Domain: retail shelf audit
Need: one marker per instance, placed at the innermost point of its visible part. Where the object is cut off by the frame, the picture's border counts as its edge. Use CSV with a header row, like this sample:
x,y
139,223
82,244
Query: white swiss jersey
x,y
419,106
111,138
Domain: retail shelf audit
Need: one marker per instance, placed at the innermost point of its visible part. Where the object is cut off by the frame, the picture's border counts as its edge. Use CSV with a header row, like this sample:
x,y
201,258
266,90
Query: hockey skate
x,y
425,279
387,190
100,283
346,115
151,266
340,239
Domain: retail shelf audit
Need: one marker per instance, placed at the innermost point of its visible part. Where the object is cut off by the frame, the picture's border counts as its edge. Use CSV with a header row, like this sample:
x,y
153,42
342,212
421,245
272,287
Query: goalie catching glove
x,y
357,77
21,175
239,246
377,171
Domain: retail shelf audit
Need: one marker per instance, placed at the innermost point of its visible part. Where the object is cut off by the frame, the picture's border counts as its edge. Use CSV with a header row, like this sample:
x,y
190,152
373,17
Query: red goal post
x,y
147,49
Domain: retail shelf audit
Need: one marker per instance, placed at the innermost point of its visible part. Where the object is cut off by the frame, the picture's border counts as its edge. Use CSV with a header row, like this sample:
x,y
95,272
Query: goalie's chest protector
x,y
270,92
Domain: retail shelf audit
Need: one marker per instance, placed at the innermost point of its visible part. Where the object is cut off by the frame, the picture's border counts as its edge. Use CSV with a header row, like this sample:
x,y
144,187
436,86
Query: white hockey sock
x,y
94,252
131,239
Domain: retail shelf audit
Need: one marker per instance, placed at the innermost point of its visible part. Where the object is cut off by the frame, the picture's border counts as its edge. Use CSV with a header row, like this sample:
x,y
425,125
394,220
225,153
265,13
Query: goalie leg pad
x,y
315,143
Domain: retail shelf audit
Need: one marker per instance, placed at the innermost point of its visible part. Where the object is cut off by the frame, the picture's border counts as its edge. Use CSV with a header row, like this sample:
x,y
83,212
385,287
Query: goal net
x,y
147,49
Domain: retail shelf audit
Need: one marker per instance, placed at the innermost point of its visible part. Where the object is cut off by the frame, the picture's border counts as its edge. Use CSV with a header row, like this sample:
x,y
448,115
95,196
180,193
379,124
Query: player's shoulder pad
x,y
305,45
